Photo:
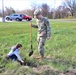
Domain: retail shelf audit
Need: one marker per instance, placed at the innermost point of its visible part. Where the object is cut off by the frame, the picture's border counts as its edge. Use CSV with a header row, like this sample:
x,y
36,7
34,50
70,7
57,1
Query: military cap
x,y
37,12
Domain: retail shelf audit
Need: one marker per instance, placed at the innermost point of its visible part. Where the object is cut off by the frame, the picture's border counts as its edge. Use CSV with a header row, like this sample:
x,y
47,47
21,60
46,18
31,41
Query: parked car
x,y
17,17
26,17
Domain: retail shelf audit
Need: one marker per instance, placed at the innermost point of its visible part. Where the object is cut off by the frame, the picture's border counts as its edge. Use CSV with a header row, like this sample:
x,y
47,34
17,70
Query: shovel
x,y
31,52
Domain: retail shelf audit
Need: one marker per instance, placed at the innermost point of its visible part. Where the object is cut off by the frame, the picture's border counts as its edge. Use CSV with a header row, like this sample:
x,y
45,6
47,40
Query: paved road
x,y
5,20
11,21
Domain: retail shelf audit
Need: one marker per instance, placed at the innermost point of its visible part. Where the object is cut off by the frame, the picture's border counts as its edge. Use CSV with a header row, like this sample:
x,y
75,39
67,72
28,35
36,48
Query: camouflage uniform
x,y
44,31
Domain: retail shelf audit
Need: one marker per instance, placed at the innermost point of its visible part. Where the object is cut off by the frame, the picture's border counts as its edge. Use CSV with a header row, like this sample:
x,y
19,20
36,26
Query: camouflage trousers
x,y
41,43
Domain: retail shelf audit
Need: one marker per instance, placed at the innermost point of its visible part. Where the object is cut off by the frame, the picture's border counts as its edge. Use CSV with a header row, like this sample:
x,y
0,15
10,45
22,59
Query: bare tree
x,y
0,14
33,8
62,12
50,15
29,11
71,4
45,10
9,10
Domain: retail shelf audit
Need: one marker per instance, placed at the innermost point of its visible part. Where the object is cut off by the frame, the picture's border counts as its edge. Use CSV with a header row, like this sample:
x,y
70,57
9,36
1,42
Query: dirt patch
x,y
29,63
70,72
33,68
45,70
38,70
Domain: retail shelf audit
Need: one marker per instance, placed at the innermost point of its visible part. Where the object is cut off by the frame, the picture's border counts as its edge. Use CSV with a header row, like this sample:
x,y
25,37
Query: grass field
x,y
60,50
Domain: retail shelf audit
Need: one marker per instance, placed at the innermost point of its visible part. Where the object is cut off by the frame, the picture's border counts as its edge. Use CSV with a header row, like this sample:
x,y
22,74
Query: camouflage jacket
x,y
44,28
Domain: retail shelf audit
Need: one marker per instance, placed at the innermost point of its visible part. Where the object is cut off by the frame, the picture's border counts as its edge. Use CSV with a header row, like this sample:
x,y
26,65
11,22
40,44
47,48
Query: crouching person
x,y
14,54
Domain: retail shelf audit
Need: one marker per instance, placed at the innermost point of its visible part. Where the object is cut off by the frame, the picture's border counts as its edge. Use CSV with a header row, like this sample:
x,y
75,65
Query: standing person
x,y
14,54
44,31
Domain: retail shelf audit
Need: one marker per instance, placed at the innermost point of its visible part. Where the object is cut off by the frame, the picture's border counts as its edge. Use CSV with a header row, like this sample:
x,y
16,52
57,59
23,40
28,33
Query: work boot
x,y
41,59
38,57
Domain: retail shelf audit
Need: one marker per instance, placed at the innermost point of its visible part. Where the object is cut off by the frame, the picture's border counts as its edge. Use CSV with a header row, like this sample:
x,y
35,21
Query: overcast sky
x,y
22,4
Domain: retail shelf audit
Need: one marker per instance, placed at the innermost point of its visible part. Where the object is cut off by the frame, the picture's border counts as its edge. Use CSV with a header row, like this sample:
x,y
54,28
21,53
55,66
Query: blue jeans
x,y
13,57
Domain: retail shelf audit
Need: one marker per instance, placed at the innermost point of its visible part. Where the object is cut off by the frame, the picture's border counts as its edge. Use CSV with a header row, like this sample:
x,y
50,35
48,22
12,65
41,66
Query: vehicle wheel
x,y
7,18
27,19
17,19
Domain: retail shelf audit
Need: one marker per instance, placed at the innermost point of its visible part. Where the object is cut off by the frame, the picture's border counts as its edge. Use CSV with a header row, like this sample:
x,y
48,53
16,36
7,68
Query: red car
x,y
25,17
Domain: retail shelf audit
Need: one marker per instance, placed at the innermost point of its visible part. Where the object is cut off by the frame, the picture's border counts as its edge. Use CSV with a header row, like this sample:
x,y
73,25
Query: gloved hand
x,y
21,62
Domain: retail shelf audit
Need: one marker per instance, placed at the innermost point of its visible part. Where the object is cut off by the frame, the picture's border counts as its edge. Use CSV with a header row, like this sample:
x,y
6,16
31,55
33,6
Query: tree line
x,y
66,10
